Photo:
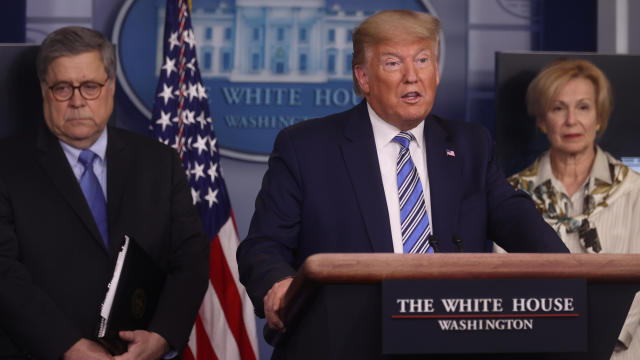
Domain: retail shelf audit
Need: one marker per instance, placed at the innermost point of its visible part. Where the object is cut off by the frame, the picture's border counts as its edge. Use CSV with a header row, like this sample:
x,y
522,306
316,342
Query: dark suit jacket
x,y
54,267
323,193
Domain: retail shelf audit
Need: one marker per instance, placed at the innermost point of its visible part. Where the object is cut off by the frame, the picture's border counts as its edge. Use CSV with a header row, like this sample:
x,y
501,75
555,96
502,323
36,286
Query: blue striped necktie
x,y
414,221
93,193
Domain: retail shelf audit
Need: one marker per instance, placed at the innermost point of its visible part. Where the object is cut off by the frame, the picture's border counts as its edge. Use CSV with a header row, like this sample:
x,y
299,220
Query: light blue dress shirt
x,y
99,165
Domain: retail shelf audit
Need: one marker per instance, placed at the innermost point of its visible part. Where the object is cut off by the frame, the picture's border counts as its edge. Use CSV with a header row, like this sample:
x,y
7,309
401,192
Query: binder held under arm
x,y
132,295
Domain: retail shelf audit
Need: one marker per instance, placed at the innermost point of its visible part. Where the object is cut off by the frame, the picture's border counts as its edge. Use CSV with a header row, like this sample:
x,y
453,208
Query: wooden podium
x,y
325,281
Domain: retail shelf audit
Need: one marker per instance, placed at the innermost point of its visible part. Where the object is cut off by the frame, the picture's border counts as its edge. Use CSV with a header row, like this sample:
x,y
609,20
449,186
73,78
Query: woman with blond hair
x,y
590,198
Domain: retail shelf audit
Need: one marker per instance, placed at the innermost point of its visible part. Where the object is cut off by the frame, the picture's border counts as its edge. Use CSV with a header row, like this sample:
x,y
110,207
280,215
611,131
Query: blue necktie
x,y
414,221
93,193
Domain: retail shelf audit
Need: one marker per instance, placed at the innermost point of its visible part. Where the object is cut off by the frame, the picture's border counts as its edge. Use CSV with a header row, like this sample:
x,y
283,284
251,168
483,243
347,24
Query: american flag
x,y
225,327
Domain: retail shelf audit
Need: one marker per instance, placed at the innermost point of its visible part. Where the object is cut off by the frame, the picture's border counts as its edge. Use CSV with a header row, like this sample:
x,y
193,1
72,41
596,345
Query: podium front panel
x,y
484,316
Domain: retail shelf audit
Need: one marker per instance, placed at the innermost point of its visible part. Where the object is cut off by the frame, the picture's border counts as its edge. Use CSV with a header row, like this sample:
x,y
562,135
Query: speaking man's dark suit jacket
x,y
323,193
54,267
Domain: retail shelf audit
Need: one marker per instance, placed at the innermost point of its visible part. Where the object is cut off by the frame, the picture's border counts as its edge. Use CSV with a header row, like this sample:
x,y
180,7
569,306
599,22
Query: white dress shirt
x,y
388,150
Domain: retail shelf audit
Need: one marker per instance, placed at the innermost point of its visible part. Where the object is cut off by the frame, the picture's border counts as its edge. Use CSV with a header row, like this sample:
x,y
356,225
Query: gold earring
x,y
597,127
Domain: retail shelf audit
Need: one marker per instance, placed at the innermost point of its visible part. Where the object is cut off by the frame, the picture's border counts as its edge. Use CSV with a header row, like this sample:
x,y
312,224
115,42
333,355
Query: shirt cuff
x,y
170,355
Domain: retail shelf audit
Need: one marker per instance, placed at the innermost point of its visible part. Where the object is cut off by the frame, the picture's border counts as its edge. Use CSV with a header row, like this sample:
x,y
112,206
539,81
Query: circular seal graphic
x,y
525,9
265,65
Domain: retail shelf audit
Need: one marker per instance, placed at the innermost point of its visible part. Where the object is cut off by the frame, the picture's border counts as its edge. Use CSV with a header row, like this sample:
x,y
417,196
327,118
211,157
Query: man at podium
x,y
384,176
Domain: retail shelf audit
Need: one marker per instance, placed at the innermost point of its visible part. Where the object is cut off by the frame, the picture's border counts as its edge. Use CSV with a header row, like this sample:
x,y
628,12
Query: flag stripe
x,y
229,298
220,337
189,352
187,355
229,242
204,349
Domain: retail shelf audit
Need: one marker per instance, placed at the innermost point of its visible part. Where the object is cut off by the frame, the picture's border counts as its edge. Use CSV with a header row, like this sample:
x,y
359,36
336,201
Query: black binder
x,y
132,295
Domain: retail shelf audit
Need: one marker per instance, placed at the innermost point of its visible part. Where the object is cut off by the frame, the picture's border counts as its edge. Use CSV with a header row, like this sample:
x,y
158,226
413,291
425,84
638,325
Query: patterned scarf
x,y
554,204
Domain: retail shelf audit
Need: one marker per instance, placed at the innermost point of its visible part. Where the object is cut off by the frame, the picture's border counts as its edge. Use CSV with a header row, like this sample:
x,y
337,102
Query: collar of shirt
x,y
99,165
599,170
387,151
383,132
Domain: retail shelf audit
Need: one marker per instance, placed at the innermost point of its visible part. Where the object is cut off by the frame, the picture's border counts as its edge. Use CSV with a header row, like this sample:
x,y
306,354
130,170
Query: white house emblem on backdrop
x,y
266,64
295,41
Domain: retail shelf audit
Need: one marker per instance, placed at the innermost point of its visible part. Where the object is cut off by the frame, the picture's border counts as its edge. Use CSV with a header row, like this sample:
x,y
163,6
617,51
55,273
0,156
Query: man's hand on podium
x,y
273,302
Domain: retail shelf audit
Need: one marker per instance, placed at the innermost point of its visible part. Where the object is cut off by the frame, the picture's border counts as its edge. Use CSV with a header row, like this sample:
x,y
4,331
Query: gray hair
x,y
75,40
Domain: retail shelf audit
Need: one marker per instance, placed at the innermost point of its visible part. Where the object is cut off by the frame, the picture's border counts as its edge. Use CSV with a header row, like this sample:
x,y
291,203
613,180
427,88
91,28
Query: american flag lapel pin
x,y
451,153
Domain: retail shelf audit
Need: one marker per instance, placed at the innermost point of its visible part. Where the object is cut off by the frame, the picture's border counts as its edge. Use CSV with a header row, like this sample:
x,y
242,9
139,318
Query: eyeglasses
x,y
89,90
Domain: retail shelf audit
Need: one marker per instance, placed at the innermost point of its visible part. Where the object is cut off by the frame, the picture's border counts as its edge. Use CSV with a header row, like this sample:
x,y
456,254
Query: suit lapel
x,y
56,166
361,159
444,181
118,166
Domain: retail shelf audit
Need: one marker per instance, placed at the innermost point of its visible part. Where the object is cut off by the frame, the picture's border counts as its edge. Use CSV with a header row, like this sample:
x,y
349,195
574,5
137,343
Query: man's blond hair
x,y
392,25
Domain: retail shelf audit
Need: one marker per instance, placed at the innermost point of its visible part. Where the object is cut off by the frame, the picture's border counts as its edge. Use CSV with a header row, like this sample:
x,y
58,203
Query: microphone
x,y
433,241
457,241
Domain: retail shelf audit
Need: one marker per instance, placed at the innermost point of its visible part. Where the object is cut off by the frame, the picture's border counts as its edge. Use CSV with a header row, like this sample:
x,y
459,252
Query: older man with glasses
x,y
69,196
